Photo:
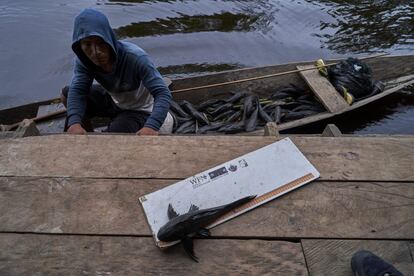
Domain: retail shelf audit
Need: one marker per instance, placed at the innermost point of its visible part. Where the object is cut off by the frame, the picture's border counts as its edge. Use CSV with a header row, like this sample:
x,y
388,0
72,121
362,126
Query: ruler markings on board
x,y
256,201
266,196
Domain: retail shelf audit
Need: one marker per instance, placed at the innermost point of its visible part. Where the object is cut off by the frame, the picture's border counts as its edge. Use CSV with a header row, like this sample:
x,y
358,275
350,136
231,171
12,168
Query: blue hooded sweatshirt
x,y
134,83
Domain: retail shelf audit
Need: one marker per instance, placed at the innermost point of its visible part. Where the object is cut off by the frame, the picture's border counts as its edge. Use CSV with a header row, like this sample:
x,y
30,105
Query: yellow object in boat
x,y
321,67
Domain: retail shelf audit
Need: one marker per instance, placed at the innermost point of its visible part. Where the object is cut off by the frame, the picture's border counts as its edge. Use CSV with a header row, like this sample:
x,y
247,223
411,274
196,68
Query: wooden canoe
x,y
396,71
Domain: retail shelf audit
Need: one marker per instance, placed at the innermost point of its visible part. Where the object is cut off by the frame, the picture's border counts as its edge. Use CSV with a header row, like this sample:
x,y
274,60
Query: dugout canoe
x,y
397,72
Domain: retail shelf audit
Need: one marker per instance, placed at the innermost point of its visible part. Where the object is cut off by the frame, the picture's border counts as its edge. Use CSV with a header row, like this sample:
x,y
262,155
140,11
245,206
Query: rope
x,y
261,77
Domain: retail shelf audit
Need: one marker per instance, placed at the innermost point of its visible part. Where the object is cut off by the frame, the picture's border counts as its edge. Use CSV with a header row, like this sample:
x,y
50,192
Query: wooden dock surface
x,y
70,207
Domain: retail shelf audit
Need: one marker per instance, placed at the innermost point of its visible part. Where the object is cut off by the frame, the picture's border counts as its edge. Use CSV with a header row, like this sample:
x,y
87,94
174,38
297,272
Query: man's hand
x,y
76,129
147,131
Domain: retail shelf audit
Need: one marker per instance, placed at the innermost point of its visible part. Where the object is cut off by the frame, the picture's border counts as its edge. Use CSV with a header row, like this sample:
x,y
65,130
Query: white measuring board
x,y
268,172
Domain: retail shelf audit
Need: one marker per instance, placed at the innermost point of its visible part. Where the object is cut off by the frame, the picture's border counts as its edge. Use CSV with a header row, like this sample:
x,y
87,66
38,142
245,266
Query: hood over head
x,y
91,22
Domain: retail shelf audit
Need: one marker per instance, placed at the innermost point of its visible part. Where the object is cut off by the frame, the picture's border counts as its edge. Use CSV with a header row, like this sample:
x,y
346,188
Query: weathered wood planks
x,y
82,199
323,89
100,255
339,158
333,257
110,206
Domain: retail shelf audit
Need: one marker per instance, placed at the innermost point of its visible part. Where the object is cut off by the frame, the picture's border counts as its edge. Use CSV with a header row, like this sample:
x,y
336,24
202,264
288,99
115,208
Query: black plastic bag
x,y
355,77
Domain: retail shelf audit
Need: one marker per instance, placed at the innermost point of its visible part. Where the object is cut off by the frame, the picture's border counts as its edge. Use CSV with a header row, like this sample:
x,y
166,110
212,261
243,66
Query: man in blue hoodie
x,y
131,91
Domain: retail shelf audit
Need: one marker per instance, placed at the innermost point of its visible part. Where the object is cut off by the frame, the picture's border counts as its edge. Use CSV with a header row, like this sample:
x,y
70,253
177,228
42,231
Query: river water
x,y
189,37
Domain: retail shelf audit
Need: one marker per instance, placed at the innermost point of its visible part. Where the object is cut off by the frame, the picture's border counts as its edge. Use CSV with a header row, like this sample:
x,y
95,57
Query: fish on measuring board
x,y
180,227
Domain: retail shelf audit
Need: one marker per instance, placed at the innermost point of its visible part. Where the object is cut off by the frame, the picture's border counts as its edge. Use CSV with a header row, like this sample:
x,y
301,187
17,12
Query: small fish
x,y
280,96
316,108
307,96
232,128
290,105
299,115
277,115
236,97
178,120
213,103
224,115
291,91
301,108
180,227
307,102
175,107
199,116
250,113
263,115
212,127
234,117
187,127
219,110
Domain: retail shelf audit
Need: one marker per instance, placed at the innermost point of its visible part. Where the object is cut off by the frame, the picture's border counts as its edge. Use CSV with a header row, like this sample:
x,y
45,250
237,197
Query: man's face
x,y
96,50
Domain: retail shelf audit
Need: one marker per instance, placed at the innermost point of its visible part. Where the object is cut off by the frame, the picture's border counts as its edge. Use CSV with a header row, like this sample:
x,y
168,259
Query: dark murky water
x,y
186,37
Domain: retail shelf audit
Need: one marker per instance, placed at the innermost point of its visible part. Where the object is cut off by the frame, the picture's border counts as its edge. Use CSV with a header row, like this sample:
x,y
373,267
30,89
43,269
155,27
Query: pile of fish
x,y
243,112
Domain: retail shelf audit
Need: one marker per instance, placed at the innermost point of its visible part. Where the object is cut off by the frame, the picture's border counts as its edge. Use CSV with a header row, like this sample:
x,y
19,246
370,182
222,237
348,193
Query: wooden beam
x,y
91,255
55,125
110,206
331,130
121,156
323,89
333,257
270,129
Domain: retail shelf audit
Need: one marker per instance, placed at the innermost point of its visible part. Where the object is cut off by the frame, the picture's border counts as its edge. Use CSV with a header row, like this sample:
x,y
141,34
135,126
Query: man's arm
x,y
153,81
77,95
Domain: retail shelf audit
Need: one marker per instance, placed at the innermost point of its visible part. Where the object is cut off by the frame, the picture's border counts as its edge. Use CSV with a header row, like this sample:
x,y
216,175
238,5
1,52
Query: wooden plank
x,y
55,125
331,130
323,89
379,66
110,206
129,156
270,129
333,257
97,255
